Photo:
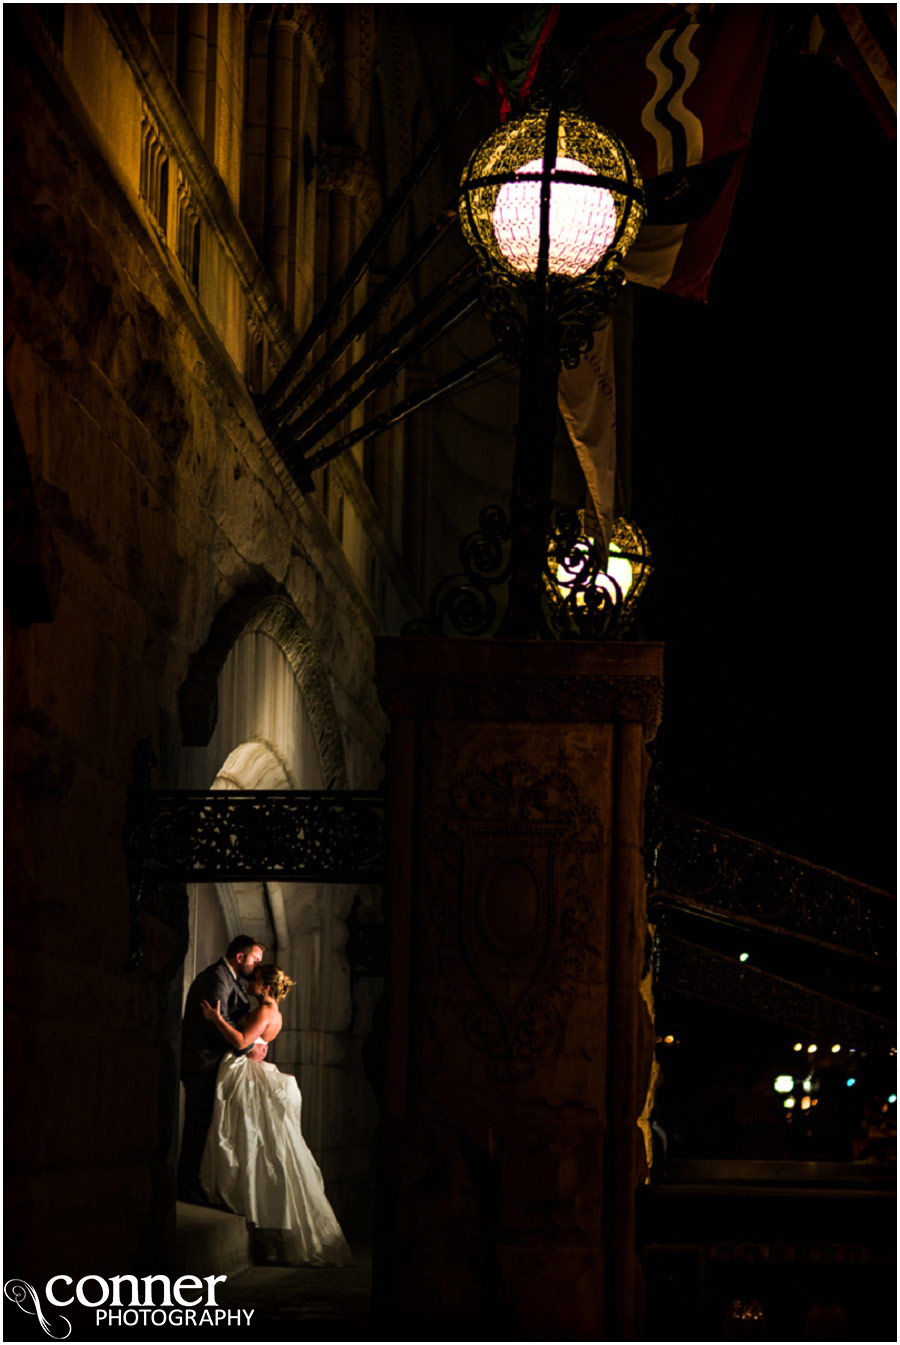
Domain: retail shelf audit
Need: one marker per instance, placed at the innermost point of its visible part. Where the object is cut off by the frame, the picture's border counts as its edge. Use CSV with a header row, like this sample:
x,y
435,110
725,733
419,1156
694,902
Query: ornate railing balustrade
x,y
309,836
702,973
708,870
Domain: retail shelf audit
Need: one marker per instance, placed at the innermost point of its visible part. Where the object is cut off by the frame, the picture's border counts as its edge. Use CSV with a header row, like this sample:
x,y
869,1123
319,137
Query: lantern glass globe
x,y
592,223
582,220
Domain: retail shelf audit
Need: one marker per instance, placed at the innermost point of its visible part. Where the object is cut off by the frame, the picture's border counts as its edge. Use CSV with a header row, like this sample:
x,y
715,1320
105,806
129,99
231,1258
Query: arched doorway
x,y
276,728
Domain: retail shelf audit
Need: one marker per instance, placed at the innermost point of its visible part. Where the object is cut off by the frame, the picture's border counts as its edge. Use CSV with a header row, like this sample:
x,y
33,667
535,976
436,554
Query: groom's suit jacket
x,y
202,1045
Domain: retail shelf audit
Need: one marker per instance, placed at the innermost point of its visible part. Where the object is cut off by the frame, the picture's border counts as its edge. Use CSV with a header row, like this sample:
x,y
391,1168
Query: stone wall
x,y
160,499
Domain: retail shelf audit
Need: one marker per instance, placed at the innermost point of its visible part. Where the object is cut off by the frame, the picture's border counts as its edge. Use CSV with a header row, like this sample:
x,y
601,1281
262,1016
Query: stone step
x,y
210,1242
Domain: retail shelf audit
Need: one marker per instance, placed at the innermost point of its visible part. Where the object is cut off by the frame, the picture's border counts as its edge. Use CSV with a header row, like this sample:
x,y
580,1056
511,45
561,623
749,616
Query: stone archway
x,y
256,609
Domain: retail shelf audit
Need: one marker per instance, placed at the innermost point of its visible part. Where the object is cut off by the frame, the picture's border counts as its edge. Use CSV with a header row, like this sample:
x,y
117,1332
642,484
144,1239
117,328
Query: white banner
x,y
587,404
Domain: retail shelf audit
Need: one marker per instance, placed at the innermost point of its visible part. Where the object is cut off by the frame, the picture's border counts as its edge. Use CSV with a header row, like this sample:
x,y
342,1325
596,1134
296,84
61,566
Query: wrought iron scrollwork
x,y
312,836
578,312
501,301
318,836
579,599
463,603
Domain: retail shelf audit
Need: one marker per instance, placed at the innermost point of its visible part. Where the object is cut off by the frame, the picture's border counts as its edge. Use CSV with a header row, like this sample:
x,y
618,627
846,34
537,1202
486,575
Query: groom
x,y
202,1048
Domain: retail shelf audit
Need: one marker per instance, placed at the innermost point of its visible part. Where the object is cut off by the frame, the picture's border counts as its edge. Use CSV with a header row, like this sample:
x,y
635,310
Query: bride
x,y
256,1161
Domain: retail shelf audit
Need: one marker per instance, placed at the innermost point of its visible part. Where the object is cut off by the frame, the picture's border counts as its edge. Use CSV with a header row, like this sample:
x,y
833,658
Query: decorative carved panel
x,y
505,862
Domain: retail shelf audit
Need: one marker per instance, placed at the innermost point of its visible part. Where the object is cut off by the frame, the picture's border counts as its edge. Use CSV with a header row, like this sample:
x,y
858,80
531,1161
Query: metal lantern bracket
x,y
543,315
304,836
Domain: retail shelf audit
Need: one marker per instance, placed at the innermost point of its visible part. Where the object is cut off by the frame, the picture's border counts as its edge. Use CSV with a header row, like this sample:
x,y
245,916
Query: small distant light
x,y
668,1040
850,1082
790,1102
807,1084
805,1104
892,1098
811,1050
798,1045
815,1102
835,1048
884,1106
853,1050
744,957
784,1083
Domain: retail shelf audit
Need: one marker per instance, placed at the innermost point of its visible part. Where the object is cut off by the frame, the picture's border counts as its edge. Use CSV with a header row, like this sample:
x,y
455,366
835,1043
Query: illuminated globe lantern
x,y
551,202
560,185
582,219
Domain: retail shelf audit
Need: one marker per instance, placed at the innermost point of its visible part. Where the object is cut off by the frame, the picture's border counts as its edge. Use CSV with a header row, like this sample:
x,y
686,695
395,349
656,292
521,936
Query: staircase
x,y
210,1242
819,949
753,1249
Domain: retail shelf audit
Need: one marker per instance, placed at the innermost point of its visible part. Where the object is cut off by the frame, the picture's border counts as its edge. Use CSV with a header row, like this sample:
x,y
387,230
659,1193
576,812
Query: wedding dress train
x,y
257,1163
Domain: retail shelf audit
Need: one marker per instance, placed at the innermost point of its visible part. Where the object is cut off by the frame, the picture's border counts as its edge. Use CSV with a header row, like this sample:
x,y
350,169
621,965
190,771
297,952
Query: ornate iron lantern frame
x,y
579,303
541,320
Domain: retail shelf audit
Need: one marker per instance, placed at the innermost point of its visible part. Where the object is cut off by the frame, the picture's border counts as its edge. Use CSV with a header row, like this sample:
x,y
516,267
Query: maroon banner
x,y
680,85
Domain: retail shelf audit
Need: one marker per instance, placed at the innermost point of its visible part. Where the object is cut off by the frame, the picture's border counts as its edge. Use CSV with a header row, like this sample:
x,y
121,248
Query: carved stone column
x,y
256,116
281,120
195,54
517,1046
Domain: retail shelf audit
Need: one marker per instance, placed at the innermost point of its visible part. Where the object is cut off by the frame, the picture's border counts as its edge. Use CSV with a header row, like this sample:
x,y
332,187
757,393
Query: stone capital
x,y
346,169
316,28
506,680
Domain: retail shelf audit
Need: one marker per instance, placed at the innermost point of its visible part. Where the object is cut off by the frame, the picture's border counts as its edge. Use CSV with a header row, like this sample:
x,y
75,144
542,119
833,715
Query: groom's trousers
x,y
199,1099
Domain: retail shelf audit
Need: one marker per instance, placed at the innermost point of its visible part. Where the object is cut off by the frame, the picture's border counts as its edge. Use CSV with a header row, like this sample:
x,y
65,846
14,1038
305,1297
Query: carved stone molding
x,y
527,697
251,609
278,618
350,170
316,28
286,15
511,907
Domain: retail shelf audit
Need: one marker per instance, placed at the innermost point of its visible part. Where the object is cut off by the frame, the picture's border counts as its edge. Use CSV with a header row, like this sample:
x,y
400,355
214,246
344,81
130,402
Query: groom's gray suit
x,y
202,1048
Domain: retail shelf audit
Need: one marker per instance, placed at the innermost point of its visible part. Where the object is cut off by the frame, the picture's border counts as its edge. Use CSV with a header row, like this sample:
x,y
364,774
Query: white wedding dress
x,y
257,1163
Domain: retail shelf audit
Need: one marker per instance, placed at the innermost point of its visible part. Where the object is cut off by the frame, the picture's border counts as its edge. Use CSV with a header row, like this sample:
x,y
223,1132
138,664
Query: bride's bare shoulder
x,y
273,1022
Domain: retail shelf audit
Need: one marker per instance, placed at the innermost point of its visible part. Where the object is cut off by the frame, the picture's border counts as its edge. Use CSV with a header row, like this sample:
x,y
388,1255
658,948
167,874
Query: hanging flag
x,y
863,38
515,62
680,84
587,404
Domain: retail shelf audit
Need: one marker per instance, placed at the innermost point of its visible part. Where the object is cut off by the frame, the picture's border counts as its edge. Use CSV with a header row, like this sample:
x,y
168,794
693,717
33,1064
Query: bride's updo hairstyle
x,y
274,979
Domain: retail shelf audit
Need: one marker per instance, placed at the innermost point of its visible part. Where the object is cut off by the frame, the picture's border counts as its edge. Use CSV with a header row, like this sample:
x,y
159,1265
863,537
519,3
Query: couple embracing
x,y
242,1146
